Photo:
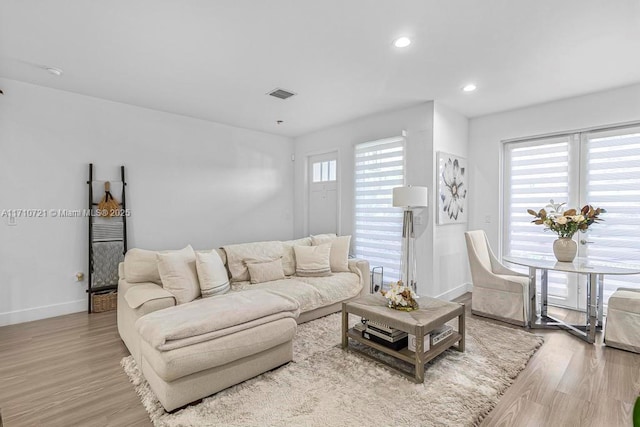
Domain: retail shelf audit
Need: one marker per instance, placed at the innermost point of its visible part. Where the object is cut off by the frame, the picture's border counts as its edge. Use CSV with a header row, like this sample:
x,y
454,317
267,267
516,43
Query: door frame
x,y
307,186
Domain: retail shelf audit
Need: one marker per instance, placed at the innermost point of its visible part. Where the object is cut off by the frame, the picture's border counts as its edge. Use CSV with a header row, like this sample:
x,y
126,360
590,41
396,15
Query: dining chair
x,y
498,292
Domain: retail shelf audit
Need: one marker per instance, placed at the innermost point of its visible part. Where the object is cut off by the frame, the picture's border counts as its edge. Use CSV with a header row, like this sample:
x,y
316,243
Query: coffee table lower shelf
x,y
405,354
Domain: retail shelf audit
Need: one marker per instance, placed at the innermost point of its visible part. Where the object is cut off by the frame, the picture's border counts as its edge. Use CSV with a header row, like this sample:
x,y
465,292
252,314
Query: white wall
x,y
418,122
190,182
451,274
485,133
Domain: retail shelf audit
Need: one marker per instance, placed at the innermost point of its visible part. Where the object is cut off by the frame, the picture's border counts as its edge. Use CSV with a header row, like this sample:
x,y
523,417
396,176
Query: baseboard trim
x,y
456,292
42,312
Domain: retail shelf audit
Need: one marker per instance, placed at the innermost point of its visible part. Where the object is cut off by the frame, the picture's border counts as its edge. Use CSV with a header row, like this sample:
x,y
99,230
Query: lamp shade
x,y
410,197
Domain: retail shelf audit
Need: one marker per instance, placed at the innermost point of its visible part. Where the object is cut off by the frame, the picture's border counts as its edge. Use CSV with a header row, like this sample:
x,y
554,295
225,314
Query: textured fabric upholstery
x,y
183,361
498,292
623,320
181,375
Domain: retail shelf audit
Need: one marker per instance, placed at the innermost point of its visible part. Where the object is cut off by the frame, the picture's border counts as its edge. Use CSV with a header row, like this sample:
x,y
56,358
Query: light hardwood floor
x,y
65,371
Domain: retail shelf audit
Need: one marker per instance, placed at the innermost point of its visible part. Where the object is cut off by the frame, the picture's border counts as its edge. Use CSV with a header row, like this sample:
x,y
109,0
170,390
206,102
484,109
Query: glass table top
x,y
579,265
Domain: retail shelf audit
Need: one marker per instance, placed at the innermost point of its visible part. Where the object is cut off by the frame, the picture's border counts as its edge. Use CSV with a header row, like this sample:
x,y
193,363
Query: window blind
x,y
613,182
535,173
379,167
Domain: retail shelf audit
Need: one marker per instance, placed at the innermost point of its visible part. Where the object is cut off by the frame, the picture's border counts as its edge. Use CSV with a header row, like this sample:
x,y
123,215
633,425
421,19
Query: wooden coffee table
x,y
432,314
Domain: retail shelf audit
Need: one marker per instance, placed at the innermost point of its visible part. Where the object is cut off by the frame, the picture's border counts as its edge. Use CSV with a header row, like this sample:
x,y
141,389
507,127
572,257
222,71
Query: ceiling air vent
x,y
281,93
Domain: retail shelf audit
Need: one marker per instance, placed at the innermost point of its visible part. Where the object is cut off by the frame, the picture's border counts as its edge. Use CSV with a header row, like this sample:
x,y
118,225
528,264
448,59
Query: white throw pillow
x,y
339,258
179,274
321,239
237,255
265,271
313,261
212,274
141,265
289,256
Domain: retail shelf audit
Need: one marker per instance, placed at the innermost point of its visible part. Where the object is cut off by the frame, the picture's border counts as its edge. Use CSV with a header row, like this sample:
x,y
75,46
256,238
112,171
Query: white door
x,y
323,193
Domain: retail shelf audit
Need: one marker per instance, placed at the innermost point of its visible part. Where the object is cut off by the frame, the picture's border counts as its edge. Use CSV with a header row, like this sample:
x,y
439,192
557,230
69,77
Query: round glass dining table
x,y
592,269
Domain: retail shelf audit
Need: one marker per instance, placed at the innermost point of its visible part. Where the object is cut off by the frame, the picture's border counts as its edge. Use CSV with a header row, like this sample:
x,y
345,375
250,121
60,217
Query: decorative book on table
x,y
386,336
432,338
395,345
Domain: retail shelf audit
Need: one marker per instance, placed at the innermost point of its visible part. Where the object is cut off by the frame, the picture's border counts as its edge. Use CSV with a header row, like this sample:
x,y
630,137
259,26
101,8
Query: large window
x,y
601,168
379,167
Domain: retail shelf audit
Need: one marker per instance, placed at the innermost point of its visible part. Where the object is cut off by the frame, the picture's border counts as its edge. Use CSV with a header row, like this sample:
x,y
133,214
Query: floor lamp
x,y
409,197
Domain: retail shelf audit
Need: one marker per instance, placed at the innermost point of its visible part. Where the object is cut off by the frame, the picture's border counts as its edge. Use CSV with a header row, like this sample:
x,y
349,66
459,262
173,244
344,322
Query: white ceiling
x,y
216,59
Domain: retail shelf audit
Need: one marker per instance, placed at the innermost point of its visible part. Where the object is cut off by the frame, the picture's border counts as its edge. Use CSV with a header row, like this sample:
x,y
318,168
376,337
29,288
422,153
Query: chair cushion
x,y
625,300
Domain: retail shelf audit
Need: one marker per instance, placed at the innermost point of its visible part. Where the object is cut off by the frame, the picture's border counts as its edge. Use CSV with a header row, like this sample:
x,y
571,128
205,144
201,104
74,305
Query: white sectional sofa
x,y
211,369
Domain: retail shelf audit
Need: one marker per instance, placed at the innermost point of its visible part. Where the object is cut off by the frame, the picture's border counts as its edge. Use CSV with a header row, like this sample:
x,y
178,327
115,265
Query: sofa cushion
x,y
211,318
306,295
338,287
179,275
141,265
265,271
180,362
313,260
212,274
289,255
310,292
237,255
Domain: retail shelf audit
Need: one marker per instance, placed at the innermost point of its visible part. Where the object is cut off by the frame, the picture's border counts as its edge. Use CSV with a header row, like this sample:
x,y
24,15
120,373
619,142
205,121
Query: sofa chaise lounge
x,y
203,367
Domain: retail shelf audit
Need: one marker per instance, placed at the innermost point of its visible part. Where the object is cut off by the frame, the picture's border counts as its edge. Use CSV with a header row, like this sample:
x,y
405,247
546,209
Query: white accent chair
x,y
498,292
623,320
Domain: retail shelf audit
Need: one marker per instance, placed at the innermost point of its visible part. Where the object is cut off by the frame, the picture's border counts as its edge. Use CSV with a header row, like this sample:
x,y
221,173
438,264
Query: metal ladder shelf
x,y
112,231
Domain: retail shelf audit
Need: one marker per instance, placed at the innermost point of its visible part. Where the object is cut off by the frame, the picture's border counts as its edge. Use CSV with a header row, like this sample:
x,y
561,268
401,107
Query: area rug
x,y
326,386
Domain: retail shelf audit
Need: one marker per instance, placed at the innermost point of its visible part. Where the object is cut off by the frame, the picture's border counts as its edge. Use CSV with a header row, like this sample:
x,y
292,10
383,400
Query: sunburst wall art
x,y
452,189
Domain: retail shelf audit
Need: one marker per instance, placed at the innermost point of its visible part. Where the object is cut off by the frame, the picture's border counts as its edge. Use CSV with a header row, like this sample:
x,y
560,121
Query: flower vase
x,y
565,249
412,305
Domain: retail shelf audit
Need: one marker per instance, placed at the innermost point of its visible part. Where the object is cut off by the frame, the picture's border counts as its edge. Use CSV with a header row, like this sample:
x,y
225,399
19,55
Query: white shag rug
x,y
326,386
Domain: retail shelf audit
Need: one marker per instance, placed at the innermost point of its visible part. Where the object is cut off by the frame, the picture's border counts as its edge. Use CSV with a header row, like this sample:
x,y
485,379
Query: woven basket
x,y
104,301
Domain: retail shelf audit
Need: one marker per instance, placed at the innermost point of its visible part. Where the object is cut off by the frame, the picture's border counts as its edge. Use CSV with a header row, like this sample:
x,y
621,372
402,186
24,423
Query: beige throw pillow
x,y
289,256
321,239
141,265
313,261
265,271
212,274
179,274
339,258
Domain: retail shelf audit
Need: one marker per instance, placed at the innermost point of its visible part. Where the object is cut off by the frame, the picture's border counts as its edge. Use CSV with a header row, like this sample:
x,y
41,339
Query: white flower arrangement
x,y
565,223
400,296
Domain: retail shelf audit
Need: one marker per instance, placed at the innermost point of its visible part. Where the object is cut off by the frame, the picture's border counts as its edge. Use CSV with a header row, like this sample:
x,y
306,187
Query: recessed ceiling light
x,y
54,71
402,42
469,88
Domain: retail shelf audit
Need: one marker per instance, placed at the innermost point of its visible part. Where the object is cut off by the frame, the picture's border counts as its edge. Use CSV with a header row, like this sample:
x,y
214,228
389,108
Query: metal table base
x,y
594,314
